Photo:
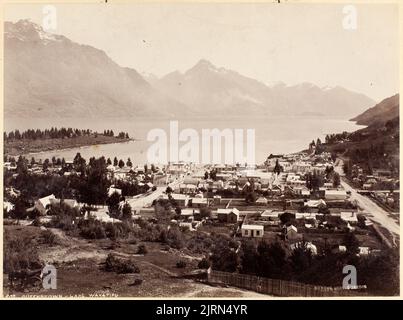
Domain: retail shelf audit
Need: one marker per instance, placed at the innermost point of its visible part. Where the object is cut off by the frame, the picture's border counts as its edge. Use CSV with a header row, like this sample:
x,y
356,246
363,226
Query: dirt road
x,y
377,214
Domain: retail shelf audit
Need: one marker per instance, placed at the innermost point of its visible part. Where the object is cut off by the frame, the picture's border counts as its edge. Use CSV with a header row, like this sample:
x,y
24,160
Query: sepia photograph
x,y
201,150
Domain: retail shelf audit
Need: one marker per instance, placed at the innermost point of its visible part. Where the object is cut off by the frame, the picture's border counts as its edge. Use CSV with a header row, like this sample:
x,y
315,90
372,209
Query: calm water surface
x,y
275,135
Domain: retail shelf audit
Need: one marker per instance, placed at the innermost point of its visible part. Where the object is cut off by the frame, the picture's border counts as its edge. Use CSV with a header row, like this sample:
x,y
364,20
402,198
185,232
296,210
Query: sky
x,y
291,43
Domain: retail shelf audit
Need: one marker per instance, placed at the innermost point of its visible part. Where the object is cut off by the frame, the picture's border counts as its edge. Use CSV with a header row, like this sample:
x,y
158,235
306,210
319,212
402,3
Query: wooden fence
x,y
277,287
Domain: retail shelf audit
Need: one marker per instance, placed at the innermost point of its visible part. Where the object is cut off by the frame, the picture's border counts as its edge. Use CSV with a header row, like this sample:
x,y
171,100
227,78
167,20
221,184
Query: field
x,y
80,272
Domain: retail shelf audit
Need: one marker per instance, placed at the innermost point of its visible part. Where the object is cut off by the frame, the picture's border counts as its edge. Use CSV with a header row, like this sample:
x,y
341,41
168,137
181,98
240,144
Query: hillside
x,y
375,146
49,76
387,109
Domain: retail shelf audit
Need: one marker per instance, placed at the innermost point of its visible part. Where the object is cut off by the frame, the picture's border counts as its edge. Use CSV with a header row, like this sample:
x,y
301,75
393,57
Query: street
x,y
378,214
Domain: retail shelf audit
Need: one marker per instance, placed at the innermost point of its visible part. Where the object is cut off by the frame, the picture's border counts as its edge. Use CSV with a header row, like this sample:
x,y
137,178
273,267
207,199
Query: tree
x,y
162,209
301,259
351,242
347,168
205,213
251,197
271,260
287,217
79,163
224,257
109,162
115,162
126,211
213,174
314,180
93,186
22,165
336,180
248,257
168,190
113,203
278,168
121,163
19,211
45,165
129,163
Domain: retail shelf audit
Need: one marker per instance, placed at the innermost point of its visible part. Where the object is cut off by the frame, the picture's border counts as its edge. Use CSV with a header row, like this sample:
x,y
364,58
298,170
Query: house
x,y
305,215
367,186
252,231
186,226
262,201
269,214
305,193
8,206
228,215
364,251
335,194
349,216
43,204
187,214
314,203
101,215
72,203
291,233
217,199
199,202
112,190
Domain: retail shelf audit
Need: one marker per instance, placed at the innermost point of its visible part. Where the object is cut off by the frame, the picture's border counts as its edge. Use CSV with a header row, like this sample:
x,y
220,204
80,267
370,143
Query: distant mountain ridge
x,y
47,75
387,109
212,89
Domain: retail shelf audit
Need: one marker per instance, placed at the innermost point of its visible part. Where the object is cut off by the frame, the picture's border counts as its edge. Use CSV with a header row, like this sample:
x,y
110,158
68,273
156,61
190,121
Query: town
x,y
286,219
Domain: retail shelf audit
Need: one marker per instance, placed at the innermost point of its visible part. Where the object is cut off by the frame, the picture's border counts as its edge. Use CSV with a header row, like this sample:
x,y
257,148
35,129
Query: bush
x,y
137,282
119,265
142,249
204,264
48,237
91,229
20,254
173,237
181,264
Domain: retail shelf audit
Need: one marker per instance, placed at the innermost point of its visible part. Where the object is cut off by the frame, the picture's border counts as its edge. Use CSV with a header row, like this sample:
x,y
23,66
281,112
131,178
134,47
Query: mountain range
x,y
50,76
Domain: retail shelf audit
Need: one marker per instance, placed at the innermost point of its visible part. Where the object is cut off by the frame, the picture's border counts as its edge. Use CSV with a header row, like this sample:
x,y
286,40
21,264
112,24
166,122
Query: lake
x,y
274,135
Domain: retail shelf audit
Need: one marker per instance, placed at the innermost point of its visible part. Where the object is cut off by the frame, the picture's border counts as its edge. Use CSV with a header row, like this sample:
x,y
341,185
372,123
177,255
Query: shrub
x,y
203,264
48,237
91,229
19,254
173,237
142,249
181,264
119,265
137,282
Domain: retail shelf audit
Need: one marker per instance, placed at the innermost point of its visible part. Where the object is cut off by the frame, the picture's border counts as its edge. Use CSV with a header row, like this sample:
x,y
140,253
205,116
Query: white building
x,y
43,204
335,194
252,231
